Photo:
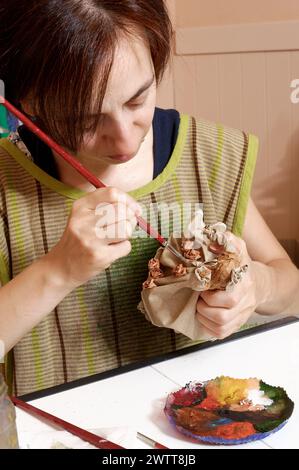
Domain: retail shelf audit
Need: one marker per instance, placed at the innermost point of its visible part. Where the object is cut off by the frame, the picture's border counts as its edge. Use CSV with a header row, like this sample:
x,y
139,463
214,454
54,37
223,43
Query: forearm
x,y
28,298
277,287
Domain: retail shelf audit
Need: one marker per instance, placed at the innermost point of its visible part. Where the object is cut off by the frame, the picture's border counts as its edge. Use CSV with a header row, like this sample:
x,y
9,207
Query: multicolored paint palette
x,y
228,411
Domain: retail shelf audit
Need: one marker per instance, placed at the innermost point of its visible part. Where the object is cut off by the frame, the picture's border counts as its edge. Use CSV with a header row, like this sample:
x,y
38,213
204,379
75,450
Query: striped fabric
x,y
97,327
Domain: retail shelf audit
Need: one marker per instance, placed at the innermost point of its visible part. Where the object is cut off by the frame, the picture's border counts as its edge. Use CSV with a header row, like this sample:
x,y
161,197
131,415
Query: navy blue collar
x,y
165,129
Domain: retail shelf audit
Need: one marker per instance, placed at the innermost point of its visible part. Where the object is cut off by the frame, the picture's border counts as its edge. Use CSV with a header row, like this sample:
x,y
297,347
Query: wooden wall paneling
x,y
250,91
185,84
254,115
230,90
207,87
277,190
232,38
294,209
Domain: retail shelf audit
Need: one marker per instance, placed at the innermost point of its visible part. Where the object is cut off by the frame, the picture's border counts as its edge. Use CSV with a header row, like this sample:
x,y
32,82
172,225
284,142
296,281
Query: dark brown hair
x,y
53,51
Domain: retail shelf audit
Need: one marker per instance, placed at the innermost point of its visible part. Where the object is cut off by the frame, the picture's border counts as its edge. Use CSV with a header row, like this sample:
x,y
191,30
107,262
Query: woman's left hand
x,y
222,313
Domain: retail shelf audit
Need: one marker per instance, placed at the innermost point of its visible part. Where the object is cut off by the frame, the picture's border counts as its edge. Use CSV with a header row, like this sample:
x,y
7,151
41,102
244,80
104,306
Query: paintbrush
x,y
150,441
87,436
143,224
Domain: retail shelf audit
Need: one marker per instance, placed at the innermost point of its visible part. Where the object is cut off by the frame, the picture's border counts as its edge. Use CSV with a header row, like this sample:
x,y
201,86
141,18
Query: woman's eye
x,y
136,104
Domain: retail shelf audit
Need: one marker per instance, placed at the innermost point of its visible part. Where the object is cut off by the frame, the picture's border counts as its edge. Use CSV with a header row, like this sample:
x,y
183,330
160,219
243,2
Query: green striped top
x,y
97,327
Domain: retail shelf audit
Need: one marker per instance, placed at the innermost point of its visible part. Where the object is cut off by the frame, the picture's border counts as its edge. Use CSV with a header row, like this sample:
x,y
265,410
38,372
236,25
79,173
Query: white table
x,y
135,400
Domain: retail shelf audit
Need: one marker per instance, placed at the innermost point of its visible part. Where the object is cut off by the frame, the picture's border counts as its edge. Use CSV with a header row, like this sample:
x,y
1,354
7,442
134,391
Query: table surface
x,y
119,406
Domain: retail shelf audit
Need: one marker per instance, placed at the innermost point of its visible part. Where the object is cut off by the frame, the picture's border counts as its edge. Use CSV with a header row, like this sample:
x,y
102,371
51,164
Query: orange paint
x,y
235,430
209,403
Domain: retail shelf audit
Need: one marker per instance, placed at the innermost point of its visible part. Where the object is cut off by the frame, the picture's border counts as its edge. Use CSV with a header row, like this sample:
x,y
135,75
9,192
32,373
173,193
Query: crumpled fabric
x,y
171,291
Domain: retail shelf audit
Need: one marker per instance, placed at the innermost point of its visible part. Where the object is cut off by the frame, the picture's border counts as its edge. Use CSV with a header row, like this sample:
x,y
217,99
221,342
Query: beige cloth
x,y
170,295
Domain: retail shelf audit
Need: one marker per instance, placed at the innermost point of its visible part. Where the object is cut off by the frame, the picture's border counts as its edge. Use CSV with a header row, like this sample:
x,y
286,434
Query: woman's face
x,y
128,107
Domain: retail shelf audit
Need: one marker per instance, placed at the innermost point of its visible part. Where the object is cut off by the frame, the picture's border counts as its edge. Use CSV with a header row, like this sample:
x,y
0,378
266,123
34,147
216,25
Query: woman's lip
x,y
121,158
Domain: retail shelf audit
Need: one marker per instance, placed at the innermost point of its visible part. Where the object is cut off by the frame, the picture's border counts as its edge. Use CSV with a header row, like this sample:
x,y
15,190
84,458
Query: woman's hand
x,y
81,253
222,313
97,234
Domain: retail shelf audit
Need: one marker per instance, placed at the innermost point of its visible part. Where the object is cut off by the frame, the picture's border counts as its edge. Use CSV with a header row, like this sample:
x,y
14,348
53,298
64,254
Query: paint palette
x,y
228,411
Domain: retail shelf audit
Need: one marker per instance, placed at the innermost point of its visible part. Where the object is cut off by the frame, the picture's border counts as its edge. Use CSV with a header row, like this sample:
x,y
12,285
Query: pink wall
x,y
191,13
246,88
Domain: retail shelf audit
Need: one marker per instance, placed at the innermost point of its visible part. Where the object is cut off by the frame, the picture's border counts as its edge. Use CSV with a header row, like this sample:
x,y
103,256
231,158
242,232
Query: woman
x,y
87,72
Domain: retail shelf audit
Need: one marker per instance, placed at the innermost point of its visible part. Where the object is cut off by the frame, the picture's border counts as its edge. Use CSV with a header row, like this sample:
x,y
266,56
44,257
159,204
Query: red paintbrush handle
x,y
74,163
87,436
159,446
51,143
144,225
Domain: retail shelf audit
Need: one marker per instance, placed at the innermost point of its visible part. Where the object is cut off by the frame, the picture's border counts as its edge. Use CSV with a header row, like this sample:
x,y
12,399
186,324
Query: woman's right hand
x,y
97,234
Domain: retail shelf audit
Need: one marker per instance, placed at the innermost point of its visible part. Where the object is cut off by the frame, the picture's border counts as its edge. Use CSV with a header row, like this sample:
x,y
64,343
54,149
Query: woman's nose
x,y
120,131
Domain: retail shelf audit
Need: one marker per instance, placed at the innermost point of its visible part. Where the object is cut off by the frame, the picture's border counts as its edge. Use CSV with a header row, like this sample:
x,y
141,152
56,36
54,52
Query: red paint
x,y
209,404
185,397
